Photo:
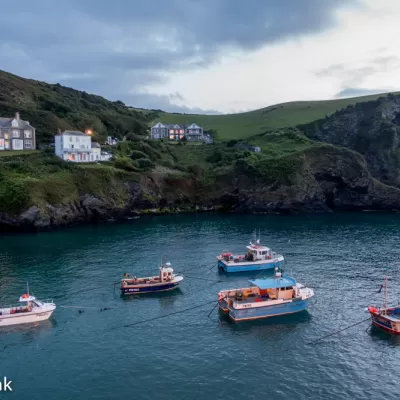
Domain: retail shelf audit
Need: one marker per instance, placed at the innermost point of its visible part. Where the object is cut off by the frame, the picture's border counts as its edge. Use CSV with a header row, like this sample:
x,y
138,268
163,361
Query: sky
x,y
205,56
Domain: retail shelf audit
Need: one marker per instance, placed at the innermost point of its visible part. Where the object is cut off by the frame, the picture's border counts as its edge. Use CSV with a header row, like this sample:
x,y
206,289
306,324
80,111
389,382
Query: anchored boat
x,y
31,310
166,280
386,318
257,258
268,297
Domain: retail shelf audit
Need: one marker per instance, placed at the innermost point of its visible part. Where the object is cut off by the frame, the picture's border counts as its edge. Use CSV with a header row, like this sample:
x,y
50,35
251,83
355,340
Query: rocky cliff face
x,y
370,128
326,179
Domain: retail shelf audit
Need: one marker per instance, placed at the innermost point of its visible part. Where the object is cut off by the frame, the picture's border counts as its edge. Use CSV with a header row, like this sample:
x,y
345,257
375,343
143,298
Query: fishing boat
x,y
31,310
257,258
166,280
267,297
386,318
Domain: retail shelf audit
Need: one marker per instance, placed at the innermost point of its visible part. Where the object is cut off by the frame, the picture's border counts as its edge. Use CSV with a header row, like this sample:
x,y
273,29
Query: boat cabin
x,y
278,287
166,273
258,252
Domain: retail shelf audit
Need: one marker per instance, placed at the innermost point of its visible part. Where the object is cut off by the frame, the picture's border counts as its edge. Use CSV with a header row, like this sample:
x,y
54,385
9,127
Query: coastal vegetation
x,y
312,159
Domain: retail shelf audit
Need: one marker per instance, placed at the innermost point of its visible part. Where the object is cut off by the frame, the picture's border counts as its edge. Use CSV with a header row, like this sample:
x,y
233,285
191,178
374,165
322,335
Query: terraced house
x,y
191,132
16,134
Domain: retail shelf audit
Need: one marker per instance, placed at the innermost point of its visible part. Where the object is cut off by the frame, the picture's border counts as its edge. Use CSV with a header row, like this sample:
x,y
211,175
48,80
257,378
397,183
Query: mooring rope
x,y
167,315
336,332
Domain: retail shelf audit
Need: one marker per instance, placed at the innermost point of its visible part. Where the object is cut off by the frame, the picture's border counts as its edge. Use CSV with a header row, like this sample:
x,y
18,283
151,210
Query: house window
x,y
28,144
6,136
76,139
15,133
1,144
17,144
171,131
171,136
28,133
6,144
181,131
70,139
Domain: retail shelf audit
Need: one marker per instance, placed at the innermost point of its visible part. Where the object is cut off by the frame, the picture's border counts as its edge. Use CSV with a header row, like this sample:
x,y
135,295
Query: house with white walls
x,y
77,146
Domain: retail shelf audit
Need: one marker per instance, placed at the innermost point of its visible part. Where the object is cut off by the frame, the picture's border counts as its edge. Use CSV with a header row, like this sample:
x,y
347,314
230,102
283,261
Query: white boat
x,y
31,310
258,258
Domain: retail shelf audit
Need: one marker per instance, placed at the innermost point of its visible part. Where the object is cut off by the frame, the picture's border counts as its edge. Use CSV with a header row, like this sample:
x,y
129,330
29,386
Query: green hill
x,y
50,107
244,125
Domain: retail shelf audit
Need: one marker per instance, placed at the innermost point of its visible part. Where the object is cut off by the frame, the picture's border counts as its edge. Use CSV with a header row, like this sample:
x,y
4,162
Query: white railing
x,y
79,150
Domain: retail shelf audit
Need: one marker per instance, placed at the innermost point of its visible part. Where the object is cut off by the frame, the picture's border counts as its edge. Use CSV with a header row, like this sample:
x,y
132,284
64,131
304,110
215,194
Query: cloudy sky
x,y
209,56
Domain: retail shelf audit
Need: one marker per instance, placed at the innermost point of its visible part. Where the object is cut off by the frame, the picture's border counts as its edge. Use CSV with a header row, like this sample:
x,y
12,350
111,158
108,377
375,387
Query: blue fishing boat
x,y
166,280
257,258
268,297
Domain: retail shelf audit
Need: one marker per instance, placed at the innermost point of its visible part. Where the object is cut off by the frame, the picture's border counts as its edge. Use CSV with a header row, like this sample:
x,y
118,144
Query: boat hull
x,y
16,319
250,266
246,314
385,324
128,290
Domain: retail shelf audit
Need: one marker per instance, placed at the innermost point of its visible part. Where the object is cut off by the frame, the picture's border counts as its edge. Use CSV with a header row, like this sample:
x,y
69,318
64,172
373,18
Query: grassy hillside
x,y
49,107
244,125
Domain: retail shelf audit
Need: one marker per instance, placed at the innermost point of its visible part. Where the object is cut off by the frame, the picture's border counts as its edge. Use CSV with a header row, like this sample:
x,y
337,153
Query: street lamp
x,y
88,132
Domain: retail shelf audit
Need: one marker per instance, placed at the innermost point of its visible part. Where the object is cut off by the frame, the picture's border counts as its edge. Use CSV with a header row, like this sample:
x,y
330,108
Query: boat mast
x,y
386,295
27,287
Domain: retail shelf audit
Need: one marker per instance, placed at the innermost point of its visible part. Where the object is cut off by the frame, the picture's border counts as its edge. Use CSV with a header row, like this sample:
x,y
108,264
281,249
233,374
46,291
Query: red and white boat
x,y
29,310
386,318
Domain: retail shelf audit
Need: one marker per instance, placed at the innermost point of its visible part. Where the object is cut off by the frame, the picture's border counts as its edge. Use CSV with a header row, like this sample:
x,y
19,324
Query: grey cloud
x,y
353,77
164,102
120,47
355,92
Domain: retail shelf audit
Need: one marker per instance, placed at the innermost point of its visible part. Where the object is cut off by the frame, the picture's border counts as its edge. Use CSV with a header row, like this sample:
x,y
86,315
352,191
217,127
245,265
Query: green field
x,y
244,125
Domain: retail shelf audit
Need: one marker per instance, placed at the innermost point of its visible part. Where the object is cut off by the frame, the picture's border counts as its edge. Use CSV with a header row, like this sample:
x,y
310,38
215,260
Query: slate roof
x,y
6,123
95,144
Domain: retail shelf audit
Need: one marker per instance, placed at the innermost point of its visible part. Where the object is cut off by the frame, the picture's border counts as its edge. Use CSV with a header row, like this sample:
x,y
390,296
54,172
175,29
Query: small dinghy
x,y
31,310
166,280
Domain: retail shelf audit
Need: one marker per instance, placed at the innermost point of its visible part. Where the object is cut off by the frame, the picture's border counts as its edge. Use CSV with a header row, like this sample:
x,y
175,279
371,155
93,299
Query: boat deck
x,y
251,299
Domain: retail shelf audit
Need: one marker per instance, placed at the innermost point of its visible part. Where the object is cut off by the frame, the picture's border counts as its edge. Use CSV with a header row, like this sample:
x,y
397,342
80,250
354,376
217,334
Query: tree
x,y
213,133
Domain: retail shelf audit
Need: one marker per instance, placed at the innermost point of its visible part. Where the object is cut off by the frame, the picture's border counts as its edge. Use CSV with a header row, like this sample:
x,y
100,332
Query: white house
x,y
78,147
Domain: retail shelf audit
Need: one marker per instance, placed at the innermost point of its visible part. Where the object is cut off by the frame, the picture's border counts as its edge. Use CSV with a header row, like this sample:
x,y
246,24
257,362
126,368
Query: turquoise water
x,y
188,355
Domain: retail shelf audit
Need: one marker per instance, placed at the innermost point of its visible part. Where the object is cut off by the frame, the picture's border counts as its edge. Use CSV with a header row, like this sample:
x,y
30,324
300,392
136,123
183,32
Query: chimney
x,y
17,116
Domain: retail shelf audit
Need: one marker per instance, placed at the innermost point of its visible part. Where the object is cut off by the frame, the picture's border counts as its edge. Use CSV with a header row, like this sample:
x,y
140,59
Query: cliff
x,y
372,129
320,178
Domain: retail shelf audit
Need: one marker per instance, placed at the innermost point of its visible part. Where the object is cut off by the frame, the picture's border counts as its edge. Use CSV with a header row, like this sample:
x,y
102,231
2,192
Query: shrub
x,y
136,155
195,169
126,164
14,195
215,157
145,163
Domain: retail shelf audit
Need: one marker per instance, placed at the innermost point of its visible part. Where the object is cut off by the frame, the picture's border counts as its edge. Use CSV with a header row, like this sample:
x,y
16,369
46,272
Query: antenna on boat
x,y
27,287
